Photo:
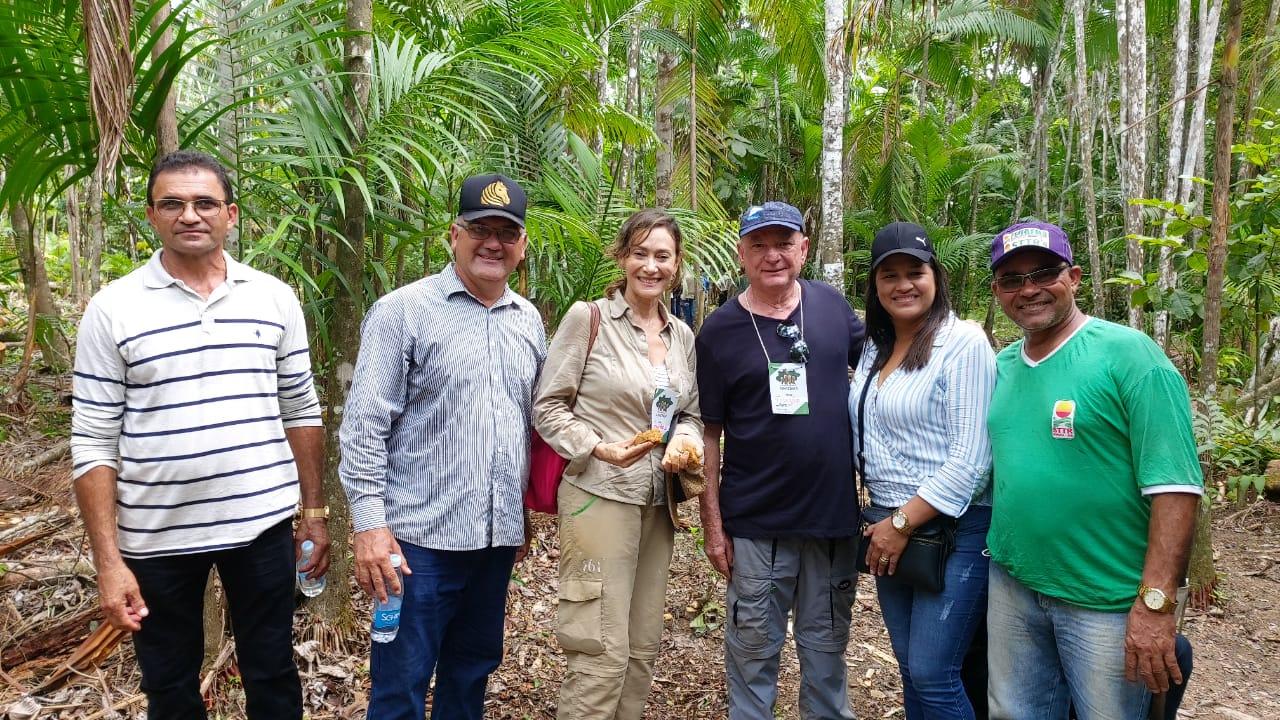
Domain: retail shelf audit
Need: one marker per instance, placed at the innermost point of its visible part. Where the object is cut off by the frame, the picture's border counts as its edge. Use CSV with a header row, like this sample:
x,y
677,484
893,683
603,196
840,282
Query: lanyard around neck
x,y
760,337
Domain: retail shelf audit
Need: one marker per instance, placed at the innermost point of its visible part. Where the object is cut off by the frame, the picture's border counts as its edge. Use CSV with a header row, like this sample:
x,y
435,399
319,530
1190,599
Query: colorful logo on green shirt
x,y
1063,423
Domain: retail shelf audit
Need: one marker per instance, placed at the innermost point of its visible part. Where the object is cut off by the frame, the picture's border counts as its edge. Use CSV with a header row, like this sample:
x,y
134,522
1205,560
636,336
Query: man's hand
x,y
121,599
522,552
622,453
886,546
374,573
1148,649
719,548
317,531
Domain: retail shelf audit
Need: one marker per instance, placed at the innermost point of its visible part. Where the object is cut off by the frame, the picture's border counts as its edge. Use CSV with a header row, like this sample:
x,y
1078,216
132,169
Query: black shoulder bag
x,y
923,564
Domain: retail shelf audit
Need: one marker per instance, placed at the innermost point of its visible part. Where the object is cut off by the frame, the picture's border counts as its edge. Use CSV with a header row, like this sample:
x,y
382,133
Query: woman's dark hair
x,y
636,229
880,325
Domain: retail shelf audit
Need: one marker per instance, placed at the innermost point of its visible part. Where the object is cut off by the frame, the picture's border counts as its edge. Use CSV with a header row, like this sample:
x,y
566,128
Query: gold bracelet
x,y
320,512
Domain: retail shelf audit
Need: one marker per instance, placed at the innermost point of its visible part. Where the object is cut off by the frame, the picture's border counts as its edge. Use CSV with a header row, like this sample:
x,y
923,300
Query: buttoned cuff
x,y
368,513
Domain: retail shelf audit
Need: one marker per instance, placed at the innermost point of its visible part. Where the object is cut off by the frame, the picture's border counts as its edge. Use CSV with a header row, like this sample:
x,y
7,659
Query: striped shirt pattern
x,y
435,431
926,430
187,400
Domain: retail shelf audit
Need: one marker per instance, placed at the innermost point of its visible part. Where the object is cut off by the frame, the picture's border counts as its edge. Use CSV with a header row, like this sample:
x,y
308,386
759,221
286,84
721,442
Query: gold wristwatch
x,y
1156,600
320,512
900,522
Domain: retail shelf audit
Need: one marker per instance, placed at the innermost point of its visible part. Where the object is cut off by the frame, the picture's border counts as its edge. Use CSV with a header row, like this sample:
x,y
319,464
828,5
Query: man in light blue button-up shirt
x,y
435,457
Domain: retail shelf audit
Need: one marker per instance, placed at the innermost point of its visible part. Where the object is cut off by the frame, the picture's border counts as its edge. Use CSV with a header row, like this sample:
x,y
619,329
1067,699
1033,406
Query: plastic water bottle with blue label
x,y
386,615
310,587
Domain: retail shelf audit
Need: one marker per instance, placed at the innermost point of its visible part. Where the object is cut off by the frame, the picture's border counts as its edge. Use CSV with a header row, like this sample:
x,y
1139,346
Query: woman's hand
x,y
682,453
622,453
886,547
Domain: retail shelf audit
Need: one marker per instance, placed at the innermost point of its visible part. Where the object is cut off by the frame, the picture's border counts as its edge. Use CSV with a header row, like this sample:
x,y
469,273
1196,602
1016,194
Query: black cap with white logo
x,y
491,195
901,237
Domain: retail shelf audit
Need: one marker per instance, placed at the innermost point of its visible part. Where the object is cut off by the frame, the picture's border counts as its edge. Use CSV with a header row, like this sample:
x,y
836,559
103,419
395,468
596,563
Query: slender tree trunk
x,y
348,306
830,255
48,331
1224,132
167,121
1173,163
603,91
664,128
75,242
631,103
1247,169
1131,24
693,111
97,230
228,72
1039,142
1193,155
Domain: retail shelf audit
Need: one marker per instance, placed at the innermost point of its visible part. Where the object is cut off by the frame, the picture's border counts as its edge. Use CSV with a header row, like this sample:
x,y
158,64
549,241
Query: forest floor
x,y
48,607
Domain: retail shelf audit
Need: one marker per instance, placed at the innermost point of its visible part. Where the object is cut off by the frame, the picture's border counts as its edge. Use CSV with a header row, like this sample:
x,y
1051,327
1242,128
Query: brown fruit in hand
x,y
652,435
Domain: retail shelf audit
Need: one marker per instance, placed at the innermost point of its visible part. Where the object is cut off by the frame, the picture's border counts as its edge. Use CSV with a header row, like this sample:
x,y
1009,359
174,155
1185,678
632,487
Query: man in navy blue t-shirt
x,y
780,520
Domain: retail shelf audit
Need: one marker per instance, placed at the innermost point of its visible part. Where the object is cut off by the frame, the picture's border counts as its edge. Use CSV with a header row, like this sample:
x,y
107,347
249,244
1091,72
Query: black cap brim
x,y
923,256
492,212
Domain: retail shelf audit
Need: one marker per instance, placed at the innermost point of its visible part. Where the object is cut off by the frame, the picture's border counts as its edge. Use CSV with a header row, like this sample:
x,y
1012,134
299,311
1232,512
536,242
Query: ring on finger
x,y
884,560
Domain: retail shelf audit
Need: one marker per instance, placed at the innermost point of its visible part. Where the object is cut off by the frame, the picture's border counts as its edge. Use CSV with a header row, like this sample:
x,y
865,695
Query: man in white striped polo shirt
x,y
195,432
435,458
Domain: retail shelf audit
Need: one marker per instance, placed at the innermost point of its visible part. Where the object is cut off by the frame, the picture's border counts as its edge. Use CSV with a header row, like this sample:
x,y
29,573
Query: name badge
x,y
788,389
663,411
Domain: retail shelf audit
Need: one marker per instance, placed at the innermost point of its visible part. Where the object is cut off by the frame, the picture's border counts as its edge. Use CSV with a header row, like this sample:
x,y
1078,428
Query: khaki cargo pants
x,y
614,562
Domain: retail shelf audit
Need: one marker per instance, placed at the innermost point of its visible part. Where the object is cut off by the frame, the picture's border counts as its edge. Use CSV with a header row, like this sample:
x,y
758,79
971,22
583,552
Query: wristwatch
x,y
900,522
320,512
1156,600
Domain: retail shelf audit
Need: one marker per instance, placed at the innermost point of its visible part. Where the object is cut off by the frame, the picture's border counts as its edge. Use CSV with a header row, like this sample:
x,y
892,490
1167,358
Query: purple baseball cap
x,y
1030,236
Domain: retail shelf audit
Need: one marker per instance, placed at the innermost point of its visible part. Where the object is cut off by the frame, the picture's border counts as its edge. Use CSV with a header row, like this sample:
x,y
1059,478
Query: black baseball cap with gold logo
x,y
491,195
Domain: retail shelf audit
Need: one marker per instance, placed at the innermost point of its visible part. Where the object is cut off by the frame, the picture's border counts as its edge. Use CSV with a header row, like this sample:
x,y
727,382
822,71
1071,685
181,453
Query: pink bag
x,y
546,467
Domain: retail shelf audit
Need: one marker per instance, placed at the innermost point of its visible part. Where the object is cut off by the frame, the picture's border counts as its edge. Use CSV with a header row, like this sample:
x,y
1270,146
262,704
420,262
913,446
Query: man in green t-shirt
x,y
1096,486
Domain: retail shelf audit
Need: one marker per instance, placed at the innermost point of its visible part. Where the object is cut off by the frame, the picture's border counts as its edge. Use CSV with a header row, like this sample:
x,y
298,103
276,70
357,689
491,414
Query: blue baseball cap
x,y
768,214
1030,236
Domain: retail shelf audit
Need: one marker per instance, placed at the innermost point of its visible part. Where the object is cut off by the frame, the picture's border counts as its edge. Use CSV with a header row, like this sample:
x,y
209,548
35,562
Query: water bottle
x,y
386,615
310,587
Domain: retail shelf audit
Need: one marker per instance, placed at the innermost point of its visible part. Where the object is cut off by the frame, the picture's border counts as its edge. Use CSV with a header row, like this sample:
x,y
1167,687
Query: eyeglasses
x,y
482,233
1044,277
173,207
799,348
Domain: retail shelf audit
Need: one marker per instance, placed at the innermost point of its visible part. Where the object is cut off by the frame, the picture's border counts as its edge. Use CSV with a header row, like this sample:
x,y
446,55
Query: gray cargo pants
x,y
815,578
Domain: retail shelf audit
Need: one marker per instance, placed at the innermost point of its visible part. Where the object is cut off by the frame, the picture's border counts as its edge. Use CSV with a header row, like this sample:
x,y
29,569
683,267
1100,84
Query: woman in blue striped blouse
x,y
928,379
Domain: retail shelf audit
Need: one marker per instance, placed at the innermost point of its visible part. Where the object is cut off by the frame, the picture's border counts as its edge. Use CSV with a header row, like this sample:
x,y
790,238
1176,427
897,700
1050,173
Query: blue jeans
x,y
450,624
258,579
1046,655
931,632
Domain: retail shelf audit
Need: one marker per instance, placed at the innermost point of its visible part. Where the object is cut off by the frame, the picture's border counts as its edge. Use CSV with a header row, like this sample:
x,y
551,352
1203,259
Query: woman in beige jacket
x,y
615,506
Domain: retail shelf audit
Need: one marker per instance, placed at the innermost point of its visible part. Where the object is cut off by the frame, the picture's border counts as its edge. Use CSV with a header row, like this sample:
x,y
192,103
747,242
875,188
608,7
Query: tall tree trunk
x,y
601,77
830,255
1247,169
167,121
1131,25
75,242
228,72
631,103
1224,133
48,331
1193,155
348,306
1039,142
693,111
664,128
1173,163
97,230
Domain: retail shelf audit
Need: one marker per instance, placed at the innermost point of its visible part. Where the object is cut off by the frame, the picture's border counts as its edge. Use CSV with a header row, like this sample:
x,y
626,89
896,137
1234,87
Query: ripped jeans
x,y
931,632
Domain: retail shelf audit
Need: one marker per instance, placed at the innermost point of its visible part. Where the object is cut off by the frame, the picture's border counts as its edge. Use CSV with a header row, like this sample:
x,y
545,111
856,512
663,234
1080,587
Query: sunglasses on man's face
x,y
799,348
1044,277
